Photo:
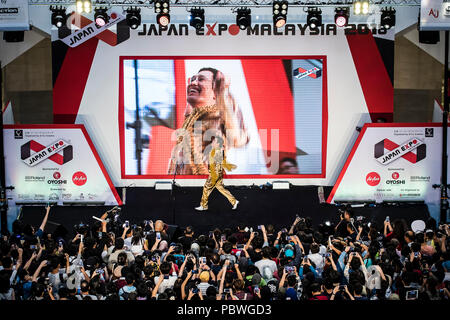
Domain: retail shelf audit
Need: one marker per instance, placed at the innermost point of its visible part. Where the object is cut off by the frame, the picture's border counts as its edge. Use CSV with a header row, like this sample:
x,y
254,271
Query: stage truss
x,y
227,3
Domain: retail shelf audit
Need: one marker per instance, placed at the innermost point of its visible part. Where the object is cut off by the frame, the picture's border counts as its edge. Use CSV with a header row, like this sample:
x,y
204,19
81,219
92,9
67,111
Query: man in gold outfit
x,y
217,162
210,108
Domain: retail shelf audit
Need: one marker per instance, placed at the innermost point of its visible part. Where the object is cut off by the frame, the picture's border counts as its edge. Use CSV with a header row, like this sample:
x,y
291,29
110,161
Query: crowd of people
x,y
112,259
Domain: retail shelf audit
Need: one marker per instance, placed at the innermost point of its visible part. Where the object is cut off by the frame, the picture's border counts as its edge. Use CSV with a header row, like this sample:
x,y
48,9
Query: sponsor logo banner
x,y
54,164
14,15
79,178
43,152
90,31
18,134
434,15
393,163
373,179
399,151
258,30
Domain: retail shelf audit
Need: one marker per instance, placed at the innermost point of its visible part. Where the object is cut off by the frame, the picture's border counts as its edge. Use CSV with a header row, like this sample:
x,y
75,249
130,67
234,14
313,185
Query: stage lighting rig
x,y
101,16
84,6
197,19
162,8
279,10
388,17
361,7
314,18
59,16
133,17
341,16
243,18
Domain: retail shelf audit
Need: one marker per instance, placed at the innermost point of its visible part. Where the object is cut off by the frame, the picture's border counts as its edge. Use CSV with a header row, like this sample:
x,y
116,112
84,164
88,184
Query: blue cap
x,y
289,253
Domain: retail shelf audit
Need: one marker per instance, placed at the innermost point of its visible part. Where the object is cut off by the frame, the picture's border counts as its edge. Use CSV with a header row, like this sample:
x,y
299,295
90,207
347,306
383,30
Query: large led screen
x,y
271,112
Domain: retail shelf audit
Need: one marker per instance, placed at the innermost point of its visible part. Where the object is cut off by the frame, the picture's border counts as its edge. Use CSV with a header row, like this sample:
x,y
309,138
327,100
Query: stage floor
x,y
257,206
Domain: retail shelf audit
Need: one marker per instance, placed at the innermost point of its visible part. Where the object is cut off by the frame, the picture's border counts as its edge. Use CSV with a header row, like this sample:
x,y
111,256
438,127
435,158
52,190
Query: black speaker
x,y
174,232
63,32
13,36
429,37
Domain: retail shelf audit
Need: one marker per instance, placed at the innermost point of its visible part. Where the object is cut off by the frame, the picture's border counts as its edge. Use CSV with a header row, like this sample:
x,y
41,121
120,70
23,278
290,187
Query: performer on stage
x,y
210,107
217,162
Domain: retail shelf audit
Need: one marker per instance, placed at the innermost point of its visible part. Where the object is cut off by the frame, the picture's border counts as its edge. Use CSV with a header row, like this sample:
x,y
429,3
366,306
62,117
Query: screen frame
x,y
121,120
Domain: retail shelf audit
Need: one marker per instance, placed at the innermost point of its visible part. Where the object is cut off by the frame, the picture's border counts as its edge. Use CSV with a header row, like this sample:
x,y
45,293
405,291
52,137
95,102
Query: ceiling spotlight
x,y
279,10
388,17
243,18
197,19
314,18
162,8
133,17
59,16
101,17
163,19
341,17
84,6
365,7
361,7
79,5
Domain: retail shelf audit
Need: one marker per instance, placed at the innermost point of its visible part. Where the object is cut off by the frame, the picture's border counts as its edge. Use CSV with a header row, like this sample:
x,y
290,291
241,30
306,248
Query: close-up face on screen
x,y
270,111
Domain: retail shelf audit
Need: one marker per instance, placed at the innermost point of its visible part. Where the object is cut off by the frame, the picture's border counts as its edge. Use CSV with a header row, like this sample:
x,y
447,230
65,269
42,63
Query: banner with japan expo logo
x,y
55,163
392,162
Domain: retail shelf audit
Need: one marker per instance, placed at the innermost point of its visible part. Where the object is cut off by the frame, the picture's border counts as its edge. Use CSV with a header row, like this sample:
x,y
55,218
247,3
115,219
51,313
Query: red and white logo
x,y
373,179
79,178
395,176
56,175
33,153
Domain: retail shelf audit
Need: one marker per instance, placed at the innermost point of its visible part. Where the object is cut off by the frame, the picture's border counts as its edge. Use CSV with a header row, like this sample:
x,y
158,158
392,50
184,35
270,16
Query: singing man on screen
x,y
210,107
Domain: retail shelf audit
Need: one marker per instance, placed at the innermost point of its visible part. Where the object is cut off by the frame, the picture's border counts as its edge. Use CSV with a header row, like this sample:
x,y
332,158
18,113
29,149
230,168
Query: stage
x,y
258,205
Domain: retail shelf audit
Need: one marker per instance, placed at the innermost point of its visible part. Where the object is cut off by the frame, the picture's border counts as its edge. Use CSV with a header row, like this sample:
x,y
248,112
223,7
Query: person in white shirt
x,y
119,247
266,261
315,256
169,280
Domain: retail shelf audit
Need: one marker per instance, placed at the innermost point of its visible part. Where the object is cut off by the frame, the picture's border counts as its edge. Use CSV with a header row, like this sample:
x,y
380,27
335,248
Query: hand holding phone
x,y
412,294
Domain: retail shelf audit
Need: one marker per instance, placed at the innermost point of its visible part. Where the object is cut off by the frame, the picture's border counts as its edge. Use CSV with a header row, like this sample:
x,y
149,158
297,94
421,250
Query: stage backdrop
x,y
393,162
55,164
301,93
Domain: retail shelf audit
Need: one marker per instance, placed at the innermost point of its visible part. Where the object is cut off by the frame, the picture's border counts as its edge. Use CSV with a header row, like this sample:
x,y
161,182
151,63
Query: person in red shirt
x,y
240,235
317,293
